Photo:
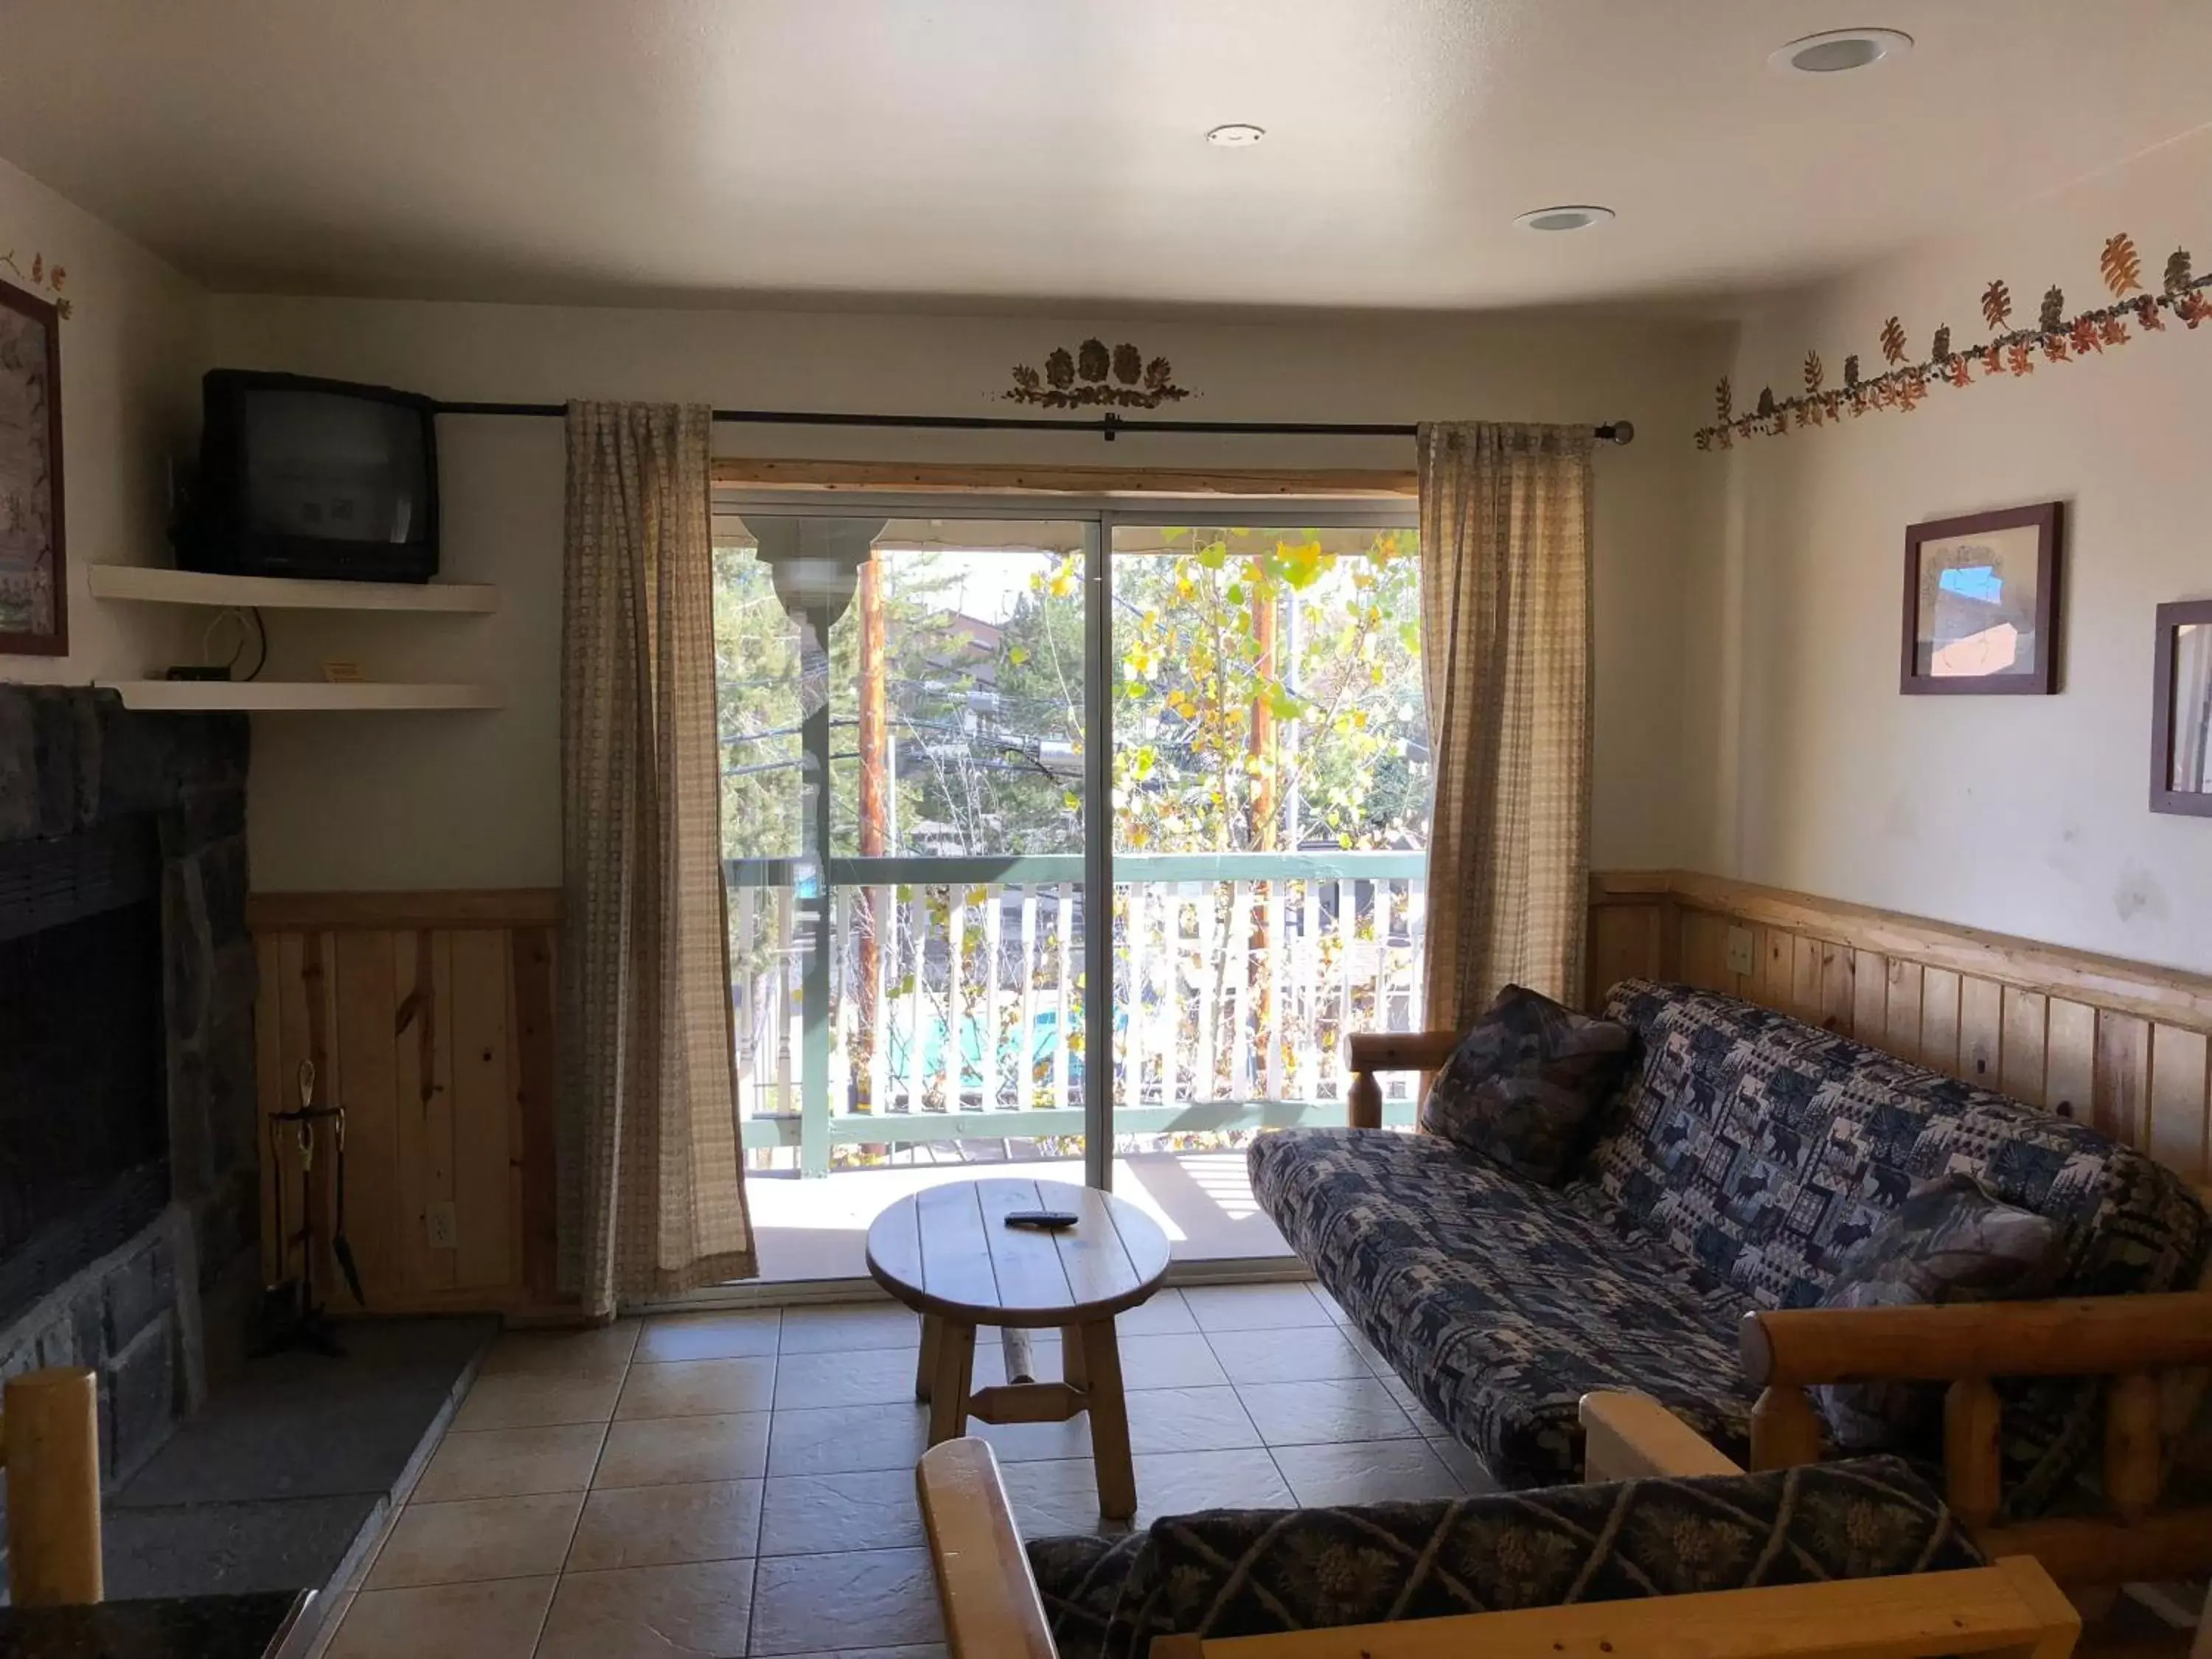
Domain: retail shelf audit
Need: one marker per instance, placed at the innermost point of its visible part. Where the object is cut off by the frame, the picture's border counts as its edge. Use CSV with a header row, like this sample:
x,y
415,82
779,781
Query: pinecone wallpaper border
x,y
2056,336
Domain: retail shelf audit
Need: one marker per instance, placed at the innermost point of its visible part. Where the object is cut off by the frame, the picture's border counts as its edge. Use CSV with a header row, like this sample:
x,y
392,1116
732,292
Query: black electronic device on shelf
x,y
312,478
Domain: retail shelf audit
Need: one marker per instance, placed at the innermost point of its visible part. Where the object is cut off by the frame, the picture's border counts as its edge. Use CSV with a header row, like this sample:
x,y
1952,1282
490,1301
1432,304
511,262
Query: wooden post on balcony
x,y
50,1436
816,1027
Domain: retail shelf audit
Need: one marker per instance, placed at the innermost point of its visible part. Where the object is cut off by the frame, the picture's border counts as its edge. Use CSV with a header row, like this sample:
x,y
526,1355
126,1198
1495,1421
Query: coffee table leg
x,y
1072,1371
925,1372
948,1389
1109,1423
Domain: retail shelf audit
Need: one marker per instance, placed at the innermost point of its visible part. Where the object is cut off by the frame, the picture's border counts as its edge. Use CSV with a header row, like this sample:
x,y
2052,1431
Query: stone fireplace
x,y
130,1209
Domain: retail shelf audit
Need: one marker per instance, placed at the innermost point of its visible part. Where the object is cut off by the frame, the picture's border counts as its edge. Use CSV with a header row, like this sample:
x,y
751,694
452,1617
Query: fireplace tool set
x,y
293,1317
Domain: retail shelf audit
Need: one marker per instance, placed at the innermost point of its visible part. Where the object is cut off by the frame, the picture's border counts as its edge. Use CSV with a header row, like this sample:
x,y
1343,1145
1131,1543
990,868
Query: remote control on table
x,y
1043,1221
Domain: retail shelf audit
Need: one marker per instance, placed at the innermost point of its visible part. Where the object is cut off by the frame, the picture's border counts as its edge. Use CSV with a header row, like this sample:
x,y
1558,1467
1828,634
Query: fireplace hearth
x,y
128,1189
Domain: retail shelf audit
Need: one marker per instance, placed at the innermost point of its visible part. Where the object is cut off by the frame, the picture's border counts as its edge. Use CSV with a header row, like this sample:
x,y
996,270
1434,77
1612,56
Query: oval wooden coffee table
x,y
948,1253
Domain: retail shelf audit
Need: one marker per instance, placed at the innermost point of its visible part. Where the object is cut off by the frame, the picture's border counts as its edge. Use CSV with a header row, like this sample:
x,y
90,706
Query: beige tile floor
x,y
732,1484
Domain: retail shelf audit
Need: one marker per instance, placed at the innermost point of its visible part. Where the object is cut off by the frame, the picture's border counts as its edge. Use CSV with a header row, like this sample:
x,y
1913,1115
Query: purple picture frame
x,y
2171,618
2045,518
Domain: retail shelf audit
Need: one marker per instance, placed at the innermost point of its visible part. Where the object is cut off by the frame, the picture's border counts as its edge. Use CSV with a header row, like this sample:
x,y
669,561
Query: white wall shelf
x,y
157,585
298,696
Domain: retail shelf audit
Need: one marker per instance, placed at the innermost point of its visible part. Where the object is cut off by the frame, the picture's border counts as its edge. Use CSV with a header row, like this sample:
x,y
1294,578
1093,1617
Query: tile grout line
x,y
607,1428
760,1526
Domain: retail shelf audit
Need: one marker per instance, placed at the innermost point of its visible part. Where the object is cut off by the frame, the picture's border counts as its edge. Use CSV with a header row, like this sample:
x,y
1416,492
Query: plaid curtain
x,y
1505,646
652,1188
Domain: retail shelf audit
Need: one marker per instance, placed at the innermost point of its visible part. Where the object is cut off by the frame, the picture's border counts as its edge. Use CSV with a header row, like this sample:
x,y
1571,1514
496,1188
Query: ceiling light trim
x,y
1566,216
1838,52
1236,135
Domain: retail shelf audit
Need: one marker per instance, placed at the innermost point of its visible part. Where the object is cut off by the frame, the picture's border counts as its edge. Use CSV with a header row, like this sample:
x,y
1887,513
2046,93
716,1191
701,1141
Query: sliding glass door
x,y
942,736
902,721
1271,790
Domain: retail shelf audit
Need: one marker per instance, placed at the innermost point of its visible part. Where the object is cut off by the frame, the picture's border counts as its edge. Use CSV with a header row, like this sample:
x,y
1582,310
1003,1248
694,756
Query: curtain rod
x,y
1108,427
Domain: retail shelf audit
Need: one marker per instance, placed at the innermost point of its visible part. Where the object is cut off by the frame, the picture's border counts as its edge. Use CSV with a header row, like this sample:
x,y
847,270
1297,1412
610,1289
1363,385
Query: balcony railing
x,y
941,999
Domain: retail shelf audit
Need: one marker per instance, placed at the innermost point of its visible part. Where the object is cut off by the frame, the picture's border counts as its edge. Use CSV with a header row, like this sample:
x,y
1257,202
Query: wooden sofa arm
x,y
2087,1336
984,1586
1367,1052
1626,1436
2011,1609
2130,1339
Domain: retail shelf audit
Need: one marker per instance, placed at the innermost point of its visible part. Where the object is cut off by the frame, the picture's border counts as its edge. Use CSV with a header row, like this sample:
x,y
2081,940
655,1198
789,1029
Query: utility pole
x,y
1261,820
876,787
1261,744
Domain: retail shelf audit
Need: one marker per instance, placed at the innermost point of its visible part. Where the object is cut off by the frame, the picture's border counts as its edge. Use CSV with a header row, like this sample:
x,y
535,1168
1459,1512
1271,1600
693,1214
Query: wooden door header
x,y
1352,483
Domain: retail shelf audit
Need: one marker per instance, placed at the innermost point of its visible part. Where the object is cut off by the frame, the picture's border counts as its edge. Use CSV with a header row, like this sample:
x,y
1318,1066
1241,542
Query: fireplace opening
x,y
83,1090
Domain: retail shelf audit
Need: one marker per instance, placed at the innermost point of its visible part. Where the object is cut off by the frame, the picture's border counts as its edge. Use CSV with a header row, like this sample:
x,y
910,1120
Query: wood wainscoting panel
x,y
2177,1128
423,1098
429,1016
1939,1020
2123,1097
1981,1031
2023,1014
1901,1028
2069,1076
2120,1045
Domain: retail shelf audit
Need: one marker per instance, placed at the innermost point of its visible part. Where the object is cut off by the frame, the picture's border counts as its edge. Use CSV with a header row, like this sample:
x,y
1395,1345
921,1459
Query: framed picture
x,y
2181,711
33,575
1981,603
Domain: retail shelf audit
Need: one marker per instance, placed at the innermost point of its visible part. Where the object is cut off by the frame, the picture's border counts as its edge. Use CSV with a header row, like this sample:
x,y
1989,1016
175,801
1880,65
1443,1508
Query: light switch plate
x,y
444,1226
1739,948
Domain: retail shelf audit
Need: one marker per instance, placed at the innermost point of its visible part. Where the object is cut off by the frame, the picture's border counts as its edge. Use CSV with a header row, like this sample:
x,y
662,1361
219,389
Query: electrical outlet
x,y
1740,946
445,1226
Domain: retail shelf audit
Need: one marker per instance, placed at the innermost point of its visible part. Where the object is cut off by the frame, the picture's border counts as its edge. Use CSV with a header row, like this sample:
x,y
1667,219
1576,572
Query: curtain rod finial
x,y
1620,432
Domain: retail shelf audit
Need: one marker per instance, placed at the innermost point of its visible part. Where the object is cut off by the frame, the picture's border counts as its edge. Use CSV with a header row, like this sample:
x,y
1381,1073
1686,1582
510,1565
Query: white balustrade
x,y
1233,993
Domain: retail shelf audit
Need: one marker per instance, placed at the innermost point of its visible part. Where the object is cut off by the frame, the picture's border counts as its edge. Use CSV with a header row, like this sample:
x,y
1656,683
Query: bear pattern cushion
x,y
1521,1087
1951,1241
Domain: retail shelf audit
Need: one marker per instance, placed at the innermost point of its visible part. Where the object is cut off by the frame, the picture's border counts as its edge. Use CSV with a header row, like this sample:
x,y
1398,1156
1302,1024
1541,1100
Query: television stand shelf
x,y
298,696
158,585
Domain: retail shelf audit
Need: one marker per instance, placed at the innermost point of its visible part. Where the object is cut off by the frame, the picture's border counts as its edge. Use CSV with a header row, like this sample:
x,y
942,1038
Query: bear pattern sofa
x,y
1742,1157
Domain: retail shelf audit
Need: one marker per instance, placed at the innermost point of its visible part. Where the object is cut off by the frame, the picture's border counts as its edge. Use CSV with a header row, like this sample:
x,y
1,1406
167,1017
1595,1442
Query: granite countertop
x,y
173,1627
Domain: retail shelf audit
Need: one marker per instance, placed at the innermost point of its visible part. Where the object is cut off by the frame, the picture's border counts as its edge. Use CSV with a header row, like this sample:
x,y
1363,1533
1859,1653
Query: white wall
x,y
131,359
2023,814
473,801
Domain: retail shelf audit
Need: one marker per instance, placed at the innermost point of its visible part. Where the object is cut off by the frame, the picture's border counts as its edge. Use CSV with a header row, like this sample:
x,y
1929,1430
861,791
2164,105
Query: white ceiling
x,y
1027,150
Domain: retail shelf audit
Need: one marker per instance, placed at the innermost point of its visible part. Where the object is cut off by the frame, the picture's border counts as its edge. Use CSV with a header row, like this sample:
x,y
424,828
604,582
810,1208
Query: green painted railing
x,y
941,999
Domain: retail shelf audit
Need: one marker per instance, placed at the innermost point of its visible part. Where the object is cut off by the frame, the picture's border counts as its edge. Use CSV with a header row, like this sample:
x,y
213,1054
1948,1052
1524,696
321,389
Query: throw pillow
x,y
1524,1084
1950,1241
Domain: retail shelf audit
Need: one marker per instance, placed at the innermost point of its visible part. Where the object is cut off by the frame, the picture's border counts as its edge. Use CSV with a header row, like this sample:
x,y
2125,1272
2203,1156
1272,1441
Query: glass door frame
x,y
1102,515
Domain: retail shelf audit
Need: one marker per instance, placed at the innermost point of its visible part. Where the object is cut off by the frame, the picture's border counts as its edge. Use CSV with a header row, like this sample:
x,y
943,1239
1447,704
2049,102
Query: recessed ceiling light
x,y
1237,134
1577,217
1839,50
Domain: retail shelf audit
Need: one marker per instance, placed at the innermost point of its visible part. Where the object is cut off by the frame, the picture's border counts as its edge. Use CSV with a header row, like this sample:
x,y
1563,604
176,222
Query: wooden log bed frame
x,y
992,1609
